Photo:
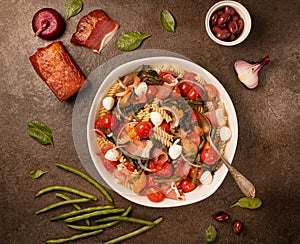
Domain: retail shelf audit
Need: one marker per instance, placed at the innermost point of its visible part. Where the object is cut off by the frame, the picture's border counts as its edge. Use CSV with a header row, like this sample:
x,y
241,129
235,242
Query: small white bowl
x,y
241,10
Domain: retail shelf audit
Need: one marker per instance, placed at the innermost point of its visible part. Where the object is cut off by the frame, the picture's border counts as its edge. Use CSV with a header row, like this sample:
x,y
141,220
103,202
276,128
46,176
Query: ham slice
x,y
159,156
94,31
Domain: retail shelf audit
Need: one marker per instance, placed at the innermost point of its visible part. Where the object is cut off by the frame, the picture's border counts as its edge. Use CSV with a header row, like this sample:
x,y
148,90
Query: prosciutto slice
x,y
94,31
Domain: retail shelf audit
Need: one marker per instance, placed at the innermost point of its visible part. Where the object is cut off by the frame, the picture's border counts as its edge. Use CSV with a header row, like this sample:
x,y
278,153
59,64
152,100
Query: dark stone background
x,y
268,119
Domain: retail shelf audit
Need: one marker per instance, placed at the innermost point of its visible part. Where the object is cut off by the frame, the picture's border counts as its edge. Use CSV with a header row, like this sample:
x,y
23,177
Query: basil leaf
x,y
40,132
247,202
35,174
73,7
210,234
167,21
131,40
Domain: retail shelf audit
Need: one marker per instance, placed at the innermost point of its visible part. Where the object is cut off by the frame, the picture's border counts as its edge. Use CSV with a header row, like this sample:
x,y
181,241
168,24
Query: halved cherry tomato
x,y
192,172
209,156
143,129
151,92
162,74
165,171
184,88
165,126
175,92
195,93
187,186
155,195
108,121
154,167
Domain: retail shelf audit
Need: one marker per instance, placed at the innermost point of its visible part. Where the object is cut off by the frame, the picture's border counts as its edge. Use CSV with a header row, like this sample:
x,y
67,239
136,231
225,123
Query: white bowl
x,y
241,10
201,192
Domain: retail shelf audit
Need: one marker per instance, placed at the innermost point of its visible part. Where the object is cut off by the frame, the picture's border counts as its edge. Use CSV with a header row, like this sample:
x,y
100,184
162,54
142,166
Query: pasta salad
x,y
149,135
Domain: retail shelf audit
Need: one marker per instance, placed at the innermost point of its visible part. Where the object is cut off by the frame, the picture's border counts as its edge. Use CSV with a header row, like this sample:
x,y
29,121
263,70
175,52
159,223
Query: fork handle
x,y
244,184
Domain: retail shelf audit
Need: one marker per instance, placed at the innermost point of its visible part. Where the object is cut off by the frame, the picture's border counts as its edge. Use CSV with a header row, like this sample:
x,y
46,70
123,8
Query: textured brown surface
x,y
268,118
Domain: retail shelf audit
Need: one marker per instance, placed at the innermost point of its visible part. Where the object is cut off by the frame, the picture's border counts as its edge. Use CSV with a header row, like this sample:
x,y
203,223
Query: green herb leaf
x,y
210,234
167,21
35,174
131,40
73,7
40,132
247,202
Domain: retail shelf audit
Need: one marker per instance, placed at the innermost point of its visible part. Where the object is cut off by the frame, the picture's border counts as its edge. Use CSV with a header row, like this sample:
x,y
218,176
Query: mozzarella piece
x,y
108,103
141,89
156,118
225,133
112,155
206,178
175,151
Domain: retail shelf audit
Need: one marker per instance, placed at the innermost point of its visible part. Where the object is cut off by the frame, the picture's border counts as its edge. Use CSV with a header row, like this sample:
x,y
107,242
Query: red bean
x,y
214,19
223,34
232,26
224,18
237,227
231,37
221,216
240,24
229,10
216,29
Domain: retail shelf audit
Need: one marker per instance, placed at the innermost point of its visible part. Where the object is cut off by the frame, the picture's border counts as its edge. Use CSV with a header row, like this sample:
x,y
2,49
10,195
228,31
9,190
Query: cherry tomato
x,y
211,91
175,92
165,171
155,195
165,126
194,137
187,186
192,172
195,93
151,91
143,129
184,88
209,156
108,121
162,74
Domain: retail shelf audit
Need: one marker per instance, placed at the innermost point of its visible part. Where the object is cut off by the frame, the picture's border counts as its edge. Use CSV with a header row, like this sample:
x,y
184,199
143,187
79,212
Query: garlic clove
x,y
156,118
206,178
112,155
225,133
108,103
175,151
141,89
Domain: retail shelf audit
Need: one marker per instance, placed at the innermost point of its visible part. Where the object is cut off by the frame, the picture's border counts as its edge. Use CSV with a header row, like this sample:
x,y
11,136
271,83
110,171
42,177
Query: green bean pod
x,y
93,214
62,203
134,233
81,211
75,237
87,178
128,219
98,227
75,205
66,189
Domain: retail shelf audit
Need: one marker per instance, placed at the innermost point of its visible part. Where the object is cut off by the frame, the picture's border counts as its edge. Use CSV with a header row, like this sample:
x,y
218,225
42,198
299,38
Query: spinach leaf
x,y
73,7
210,234
247,202
35,174
167,21
131,40
40,132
